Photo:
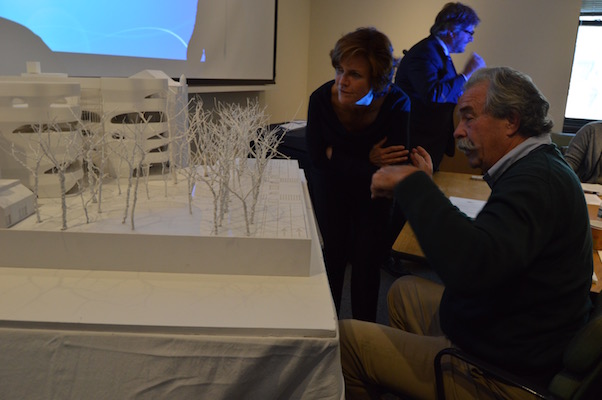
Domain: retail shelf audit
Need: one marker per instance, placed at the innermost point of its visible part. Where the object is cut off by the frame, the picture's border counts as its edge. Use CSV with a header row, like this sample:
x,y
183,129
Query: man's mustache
x,y
465,145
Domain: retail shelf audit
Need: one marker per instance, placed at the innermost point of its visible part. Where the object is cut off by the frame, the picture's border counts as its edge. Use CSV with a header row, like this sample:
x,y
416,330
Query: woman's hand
x,y
382,156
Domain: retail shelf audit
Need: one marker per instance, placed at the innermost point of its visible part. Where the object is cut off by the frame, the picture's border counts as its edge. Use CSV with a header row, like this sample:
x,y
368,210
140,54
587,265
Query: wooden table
x,y
464,185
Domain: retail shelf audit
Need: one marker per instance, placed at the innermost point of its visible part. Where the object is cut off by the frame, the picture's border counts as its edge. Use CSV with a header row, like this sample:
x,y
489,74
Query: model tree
x,y
193,147
62,145
264,147
30,160
129,146
235,134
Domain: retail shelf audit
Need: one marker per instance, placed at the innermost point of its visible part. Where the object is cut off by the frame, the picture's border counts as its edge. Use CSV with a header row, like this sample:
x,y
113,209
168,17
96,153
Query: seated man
x,y
516,279
584,154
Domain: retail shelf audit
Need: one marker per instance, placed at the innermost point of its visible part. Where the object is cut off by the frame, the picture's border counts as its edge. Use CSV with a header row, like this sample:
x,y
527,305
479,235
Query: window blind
x,y
591,6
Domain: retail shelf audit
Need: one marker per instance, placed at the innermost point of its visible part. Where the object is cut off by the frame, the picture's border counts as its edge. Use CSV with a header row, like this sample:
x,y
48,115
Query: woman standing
x,y
356,123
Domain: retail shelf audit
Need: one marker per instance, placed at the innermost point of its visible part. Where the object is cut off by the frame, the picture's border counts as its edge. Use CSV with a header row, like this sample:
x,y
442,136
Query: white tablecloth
x,y
68,334
52,364
79,334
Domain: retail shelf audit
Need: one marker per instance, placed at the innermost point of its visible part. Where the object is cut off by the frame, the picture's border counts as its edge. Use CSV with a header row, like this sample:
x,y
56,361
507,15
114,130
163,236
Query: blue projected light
x,y
132,28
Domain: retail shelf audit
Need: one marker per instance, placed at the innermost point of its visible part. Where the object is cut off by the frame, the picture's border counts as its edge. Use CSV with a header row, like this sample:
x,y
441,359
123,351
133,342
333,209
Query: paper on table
x,y
592,199
592,188
594,278
293,125
595,223
470,207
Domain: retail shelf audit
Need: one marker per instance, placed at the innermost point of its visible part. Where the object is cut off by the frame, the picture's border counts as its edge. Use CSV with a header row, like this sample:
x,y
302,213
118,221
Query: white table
x,y
75,334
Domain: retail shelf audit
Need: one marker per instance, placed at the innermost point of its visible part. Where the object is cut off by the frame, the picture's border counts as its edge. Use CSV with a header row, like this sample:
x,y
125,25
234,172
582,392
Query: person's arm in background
x,y
578,148
584,153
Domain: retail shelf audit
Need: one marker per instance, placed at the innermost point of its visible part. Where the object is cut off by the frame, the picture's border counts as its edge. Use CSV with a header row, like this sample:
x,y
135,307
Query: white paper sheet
x,y
470,207
592,188
592,199
294,125
594,278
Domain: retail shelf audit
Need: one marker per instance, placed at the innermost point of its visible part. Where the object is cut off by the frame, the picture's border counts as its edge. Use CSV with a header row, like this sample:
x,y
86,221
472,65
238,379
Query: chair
x,y
580,378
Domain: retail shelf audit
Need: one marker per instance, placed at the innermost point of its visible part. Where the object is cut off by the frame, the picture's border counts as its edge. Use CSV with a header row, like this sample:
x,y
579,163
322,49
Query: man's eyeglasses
x,y
471,33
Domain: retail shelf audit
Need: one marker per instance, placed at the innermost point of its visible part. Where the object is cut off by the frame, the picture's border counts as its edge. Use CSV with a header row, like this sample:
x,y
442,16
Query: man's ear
x,y
513,124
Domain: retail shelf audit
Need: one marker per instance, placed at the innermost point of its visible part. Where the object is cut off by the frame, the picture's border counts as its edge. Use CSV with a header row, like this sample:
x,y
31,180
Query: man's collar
x,y
443,45
514,155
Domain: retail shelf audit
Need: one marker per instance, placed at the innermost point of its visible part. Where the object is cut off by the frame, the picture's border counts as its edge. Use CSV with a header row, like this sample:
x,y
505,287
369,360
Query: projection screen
x,y
208,41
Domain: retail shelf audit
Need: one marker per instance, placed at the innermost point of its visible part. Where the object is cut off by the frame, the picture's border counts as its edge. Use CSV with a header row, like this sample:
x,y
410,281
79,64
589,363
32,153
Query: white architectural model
x,y
168,238
16,202
38,119
223,147
127,105
52,127
106,108
222,200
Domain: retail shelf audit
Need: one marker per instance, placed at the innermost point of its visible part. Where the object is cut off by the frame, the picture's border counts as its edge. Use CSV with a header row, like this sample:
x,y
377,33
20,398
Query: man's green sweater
x,y
517,278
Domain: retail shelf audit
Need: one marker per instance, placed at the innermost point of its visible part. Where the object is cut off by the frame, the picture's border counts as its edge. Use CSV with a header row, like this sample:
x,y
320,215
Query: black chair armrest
x,y
488,370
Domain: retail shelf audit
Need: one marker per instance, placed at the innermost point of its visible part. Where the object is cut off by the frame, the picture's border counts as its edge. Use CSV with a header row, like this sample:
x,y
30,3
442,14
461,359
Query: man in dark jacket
x,y
427,74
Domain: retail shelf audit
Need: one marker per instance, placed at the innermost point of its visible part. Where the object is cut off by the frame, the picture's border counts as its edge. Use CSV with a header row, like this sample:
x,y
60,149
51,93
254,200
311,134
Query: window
x,y
584,102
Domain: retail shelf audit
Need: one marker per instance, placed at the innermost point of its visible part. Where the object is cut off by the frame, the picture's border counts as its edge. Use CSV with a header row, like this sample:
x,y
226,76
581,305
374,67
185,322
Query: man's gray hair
x,y
512,93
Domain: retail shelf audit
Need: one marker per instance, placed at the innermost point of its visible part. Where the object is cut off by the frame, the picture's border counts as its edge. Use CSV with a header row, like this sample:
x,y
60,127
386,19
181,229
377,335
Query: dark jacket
x,y
429,78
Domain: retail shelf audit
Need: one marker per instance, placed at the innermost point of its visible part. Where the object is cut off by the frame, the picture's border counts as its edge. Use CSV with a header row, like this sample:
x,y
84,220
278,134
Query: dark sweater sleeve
x,y
517,277
438,225
584,153
505,236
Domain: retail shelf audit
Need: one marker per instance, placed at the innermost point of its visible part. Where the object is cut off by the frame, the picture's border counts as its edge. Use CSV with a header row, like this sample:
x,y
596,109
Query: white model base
x,y
167,238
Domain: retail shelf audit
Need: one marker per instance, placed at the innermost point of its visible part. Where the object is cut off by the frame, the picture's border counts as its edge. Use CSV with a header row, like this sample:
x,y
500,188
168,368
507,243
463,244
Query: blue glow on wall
x,y
135,28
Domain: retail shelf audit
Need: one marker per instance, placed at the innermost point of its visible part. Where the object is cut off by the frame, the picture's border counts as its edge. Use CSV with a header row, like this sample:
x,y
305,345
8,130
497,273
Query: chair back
x,y
581,377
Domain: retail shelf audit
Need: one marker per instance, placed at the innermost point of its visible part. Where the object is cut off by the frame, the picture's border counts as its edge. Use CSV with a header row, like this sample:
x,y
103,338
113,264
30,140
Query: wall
x,y
287,99
534,36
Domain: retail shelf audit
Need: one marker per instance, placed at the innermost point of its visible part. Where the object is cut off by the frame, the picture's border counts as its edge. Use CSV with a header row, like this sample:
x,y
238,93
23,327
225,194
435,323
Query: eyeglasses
x,y
471,33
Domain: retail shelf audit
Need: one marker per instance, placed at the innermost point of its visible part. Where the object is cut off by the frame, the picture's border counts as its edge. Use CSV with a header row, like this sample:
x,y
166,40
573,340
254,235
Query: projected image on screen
x,y
133,28
201,39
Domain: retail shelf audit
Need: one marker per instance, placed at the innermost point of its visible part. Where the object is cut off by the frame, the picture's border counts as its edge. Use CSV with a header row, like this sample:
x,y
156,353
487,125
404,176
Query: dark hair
x,y
454,17
512,93
376,47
